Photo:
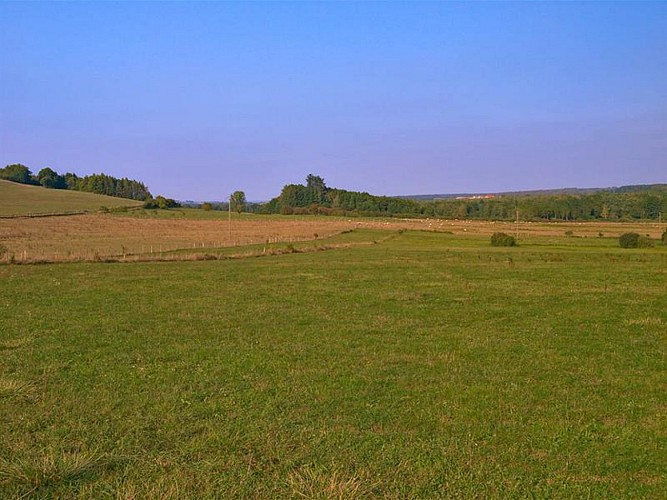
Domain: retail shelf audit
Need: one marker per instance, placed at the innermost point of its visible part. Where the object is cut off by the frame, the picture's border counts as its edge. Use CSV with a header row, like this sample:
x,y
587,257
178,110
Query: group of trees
x,y
629,203
316,198
237,202
602,205
96,183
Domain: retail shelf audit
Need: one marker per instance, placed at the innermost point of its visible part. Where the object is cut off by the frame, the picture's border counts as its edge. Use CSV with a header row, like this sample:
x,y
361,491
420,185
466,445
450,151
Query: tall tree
x,y
316,188
238,201
49,178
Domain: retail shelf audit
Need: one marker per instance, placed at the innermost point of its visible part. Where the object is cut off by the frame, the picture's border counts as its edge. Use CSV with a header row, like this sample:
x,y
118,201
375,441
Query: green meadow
x,y
21,199
403,365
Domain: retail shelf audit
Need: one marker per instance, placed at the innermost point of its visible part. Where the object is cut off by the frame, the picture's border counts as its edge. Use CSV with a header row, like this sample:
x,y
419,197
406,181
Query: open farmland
x,y
150,233
424,365
22,199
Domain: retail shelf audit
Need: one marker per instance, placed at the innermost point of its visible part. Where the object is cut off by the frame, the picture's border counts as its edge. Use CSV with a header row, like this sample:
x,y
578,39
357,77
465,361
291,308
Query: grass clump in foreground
x,y
421,366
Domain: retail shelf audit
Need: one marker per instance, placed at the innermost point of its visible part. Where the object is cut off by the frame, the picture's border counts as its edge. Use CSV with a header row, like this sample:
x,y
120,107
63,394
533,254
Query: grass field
x,y
422,365
21,199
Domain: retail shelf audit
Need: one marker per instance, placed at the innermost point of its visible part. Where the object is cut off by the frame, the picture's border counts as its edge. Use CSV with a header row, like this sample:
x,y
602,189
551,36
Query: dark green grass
x,y
425,365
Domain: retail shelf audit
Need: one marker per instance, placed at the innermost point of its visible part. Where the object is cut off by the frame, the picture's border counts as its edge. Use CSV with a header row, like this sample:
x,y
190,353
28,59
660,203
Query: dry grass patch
x,y
105,236
87,236
49,469
644,321
10,388
310,483
15,343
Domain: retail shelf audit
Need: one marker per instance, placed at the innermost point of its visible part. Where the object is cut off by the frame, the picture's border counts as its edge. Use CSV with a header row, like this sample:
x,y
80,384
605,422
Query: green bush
x,y
502,240
629,240
645,242
635,240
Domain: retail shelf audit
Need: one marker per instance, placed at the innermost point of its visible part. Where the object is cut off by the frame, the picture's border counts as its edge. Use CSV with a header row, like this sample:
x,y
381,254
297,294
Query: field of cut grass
x,y
21,199
422,365
139,233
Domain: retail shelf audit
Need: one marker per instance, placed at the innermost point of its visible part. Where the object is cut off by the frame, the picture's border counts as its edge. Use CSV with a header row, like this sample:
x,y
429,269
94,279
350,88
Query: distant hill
x,y
24,199
540,192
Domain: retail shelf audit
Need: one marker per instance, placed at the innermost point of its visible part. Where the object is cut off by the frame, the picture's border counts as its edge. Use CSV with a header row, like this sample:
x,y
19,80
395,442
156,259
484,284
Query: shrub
x,y
664,237
645,242
635,240
629,240
502,240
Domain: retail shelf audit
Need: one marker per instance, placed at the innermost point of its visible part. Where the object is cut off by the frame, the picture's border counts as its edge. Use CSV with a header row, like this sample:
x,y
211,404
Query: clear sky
x,y
201,99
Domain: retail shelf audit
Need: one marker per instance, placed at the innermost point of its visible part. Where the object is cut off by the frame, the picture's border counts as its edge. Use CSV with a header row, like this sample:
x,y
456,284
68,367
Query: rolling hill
x,y
22,199
540,192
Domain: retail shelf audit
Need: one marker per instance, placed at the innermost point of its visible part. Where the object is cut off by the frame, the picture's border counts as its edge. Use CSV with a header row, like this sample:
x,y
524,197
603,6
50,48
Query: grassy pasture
x,y
423,365
22,199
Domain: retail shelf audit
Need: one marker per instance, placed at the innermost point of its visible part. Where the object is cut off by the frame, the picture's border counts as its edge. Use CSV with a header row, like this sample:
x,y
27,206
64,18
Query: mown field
x,y
406,365
152,234
21,199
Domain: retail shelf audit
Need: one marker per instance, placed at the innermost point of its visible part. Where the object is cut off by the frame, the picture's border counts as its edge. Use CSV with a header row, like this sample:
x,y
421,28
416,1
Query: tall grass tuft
x,y
49,469
310,483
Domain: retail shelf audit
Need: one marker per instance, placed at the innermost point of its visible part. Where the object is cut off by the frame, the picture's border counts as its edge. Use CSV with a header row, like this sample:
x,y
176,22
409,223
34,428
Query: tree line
x,y
625,203
315,197
95,183
648,204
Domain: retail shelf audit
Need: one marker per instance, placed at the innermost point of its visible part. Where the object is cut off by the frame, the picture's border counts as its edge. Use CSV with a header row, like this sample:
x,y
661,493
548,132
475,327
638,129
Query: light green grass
x,y
423,366
22,199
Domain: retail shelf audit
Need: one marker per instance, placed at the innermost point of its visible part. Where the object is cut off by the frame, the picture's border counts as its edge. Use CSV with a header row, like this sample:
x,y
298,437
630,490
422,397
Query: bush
x,y
645,242
161,202
635,240
664,238
502,240
629,240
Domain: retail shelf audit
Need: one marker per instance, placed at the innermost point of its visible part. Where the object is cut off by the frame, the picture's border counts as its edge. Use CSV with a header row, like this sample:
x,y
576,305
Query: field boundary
x,y
45,214
209,253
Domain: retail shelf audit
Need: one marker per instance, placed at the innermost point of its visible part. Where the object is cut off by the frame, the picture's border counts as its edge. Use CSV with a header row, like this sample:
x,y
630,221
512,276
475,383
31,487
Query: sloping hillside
x,y
22,199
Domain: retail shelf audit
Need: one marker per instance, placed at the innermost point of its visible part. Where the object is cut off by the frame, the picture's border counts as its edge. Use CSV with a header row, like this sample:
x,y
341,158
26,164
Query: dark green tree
x,y
49,178
317,189
71,180
238,201
16,172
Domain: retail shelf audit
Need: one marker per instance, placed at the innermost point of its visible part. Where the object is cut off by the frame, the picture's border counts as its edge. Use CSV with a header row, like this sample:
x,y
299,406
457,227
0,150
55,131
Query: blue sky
x,y
201,99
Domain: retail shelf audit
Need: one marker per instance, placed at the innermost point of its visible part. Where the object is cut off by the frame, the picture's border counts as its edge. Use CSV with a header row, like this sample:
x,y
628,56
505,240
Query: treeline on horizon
x,y
638,202
617,204
95,183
